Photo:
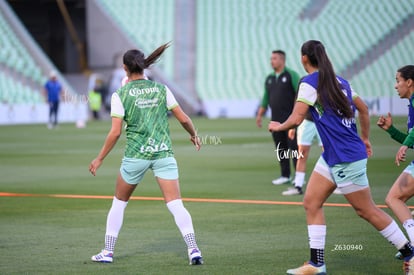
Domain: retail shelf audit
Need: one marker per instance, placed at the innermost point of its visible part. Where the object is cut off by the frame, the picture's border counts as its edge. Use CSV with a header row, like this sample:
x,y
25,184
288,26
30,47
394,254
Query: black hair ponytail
x,y
136,62
330,93
155,55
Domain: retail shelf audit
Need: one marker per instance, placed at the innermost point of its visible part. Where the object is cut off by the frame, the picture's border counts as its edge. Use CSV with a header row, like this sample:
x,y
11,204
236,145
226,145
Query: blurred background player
x,y
333,103
95,102
403,188
53,91
306,134
280,94
143,105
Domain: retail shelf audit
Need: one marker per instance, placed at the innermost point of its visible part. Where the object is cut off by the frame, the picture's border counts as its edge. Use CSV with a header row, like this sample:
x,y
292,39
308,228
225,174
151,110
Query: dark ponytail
x,y
136,62
407,72
330,93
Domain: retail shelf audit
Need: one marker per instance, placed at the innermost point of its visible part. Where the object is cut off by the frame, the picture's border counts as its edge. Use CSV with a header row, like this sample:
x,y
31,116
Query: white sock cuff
x,y
118,203
299,178
389,229
317,228
175,203
317,236
299,174
394,235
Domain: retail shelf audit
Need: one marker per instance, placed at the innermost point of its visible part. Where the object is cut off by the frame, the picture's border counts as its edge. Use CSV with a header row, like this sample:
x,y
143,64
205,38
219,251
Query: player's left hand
x,y
368,147
196,141
291,134
273,126
95,164
401,154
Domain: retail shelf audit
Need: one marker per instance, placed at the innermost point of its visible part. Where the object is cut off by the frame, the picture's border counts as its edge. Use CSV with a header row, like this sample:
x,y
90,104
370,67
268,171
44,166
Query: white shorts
x,y
409,169
307,133
348,177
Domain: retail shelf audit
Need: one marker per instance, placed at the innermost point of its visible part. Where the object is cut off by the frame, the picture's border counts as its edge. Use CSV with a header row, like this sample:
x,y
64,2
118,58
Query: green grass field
x,y
44,235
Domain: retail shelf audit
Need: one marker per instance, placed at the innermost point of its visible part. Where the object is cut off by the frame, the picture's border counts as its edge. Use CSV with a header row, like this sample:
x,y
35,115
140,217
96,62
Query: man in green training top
x,y
280,94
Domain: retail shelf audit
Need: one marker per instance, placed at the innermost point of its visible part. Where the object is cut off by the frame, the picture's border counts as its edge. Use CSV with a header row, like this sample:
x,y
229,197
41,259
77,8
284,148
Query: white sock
x,y
114,223
394,235
317,236
183,221
299,179
181,216
409,228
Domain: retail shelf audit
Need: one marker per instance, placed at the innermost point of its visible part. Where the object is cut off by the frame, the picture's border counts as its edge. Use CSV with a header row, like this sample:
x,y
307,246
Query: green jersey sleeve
x,y
265,99
397,135
295,79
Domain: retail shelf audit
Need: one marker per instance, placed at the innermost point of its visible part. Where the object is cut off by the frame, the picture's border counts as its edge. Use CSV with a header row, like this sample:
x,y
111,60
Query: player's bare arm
x,y
188,125
364,123
110,142
295,119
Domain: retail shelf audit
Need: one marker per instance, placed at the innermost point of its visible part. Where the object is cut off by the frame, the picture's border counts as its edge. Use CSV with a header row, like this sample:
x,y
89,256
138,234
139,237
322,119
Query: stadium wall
x,y
39,113
247,108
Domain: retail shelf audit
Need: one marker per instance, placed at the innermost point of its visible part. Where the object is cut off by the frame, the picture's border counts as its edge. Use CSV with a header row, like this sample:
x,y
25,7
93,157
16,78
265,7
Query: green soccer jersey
x,y
143,105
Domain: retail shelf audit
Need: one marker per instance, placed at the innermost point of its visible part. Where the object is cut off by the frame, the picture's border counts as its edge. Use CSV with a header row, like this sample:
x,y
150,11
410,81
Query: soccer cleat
x,y
408,266
281,180
292,191
194,255
104,257
308,269
399,256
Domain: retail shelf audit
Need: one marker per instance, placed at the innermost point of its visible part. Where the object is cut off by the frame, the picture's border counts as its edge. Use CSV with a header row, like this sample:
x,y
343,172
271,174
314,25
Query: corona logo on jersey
x,y
152,147
137,91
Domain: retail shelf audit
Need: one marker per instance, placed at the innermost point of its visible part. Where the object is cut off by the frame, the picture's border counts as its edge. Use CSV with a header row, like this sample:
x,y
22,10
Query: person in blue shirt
x,y
403,188
332,103
53,90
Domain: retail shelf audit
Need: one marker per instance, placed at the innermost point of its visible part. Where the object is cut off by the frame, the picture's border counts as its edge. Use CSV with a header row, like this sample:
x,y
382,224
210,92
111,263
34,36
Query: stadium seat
x,y
14,54
13,91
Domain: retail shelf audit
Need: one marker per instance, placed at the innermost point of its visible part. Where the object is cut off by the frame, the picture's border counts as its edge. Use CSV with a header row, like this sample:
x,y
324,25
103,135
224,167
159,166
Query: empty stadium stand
x,y
15,92
148,23
24,69
235,38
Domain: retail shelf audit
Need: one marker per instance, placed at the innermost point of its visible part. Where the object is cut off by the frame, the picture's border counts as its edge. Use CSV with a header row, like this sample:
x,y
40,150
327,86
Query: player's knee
x,y
367,214
392,198
361,213
310,205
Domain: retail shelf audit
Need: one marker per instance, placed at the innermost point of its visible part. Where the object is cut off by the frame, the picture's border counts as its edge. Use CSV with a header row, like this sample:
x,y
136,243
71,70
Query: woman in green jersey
x,y
143,105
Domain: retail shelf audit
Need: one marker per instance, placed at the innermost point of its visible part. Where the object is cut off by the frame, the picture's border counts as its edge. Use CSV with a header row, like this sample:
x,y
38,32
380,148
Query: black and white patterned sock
x,y
190,241
110,242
